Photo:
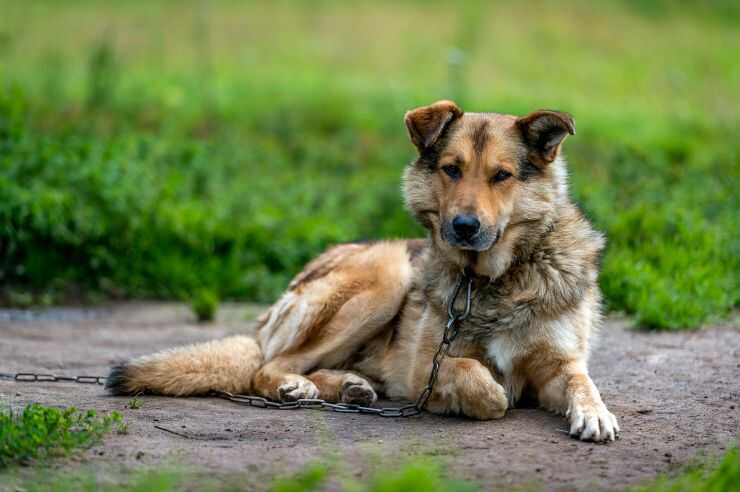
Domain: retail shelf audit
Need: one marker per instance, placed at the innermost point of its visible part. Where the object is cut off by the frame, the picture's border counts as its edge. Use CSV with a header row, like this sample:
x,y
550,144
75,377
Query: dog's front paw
x,y
295,388
486,399
592,422
471,391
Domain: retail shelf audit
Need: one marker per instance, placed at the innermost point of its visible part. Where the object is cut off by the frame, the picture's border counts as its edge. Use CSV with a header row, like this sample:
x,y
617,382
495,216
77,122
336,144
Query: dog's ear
x,y
543,132
426,124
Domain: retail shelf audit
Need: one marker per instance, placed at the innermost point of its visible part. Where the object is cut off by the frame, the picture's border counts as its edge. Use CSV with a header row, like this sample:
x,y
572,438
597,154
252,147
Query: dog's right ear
x,y
544,132
426,124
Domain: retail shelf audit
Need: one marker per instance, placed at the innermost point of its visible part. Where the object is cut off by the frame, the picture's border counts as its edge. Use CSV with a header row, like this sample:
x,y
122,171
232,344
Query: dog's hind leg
x,y
344,386
330,345
280,380
328,384
343,299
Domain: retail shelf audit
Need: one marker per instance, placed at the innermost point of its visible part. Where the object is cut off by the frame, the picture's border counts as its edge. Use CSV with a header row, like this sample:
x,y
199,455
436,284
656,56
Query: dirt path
x,y
676,396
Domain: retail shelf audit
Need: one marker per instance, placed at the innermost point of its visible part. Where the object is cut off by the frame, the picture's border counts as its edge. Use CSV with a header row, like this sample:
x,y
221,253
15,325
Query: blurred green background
x,y
159,148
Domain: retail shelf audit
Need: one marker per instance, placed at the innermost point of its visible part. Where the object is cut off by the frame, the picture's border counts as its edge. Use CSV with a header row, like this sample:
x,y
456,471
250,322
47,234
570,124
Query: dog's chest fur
x,y
496,332
548,300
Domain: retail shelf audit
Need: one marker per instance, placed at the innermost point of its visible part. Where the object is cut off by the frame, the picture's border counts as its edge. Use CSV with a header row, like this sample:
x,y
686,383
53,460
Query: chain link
x,y
315,403
32,377
409,410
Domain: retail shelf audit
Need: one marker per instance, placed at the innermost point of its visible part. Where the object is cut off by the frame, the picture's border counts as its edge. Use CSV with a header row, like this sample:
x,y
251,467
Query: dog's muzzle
x,y
466,232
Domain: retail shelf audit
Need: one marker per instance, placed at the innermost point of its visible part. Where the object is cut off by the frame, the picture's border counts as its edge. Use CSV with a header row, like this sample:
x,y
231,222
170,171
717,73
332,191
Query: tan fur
x,y
344,386
227,365
368,318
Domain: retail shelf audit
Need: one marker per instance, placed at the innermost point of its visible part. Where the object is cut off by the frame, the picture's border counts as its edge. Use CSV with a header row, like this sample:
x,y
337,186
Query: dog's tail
x,y
221,365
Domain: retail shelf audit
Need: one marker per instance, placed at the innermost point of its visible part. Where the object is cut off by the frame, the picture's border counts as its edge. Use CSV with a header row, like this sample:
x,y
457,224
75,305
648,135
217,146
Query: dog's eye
x,y
501,176
452,171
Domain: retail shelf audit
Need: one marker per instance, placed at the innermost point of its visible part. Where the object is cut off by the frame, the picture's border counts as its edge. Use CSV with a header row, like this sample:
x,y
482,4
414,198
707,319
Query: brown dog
x,y
363,319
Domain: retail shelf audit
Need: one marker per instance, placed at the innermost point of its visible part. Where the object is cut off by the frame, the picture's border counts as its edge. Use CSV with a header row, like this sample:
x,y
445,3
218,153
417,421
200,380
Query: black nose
x,y
466,226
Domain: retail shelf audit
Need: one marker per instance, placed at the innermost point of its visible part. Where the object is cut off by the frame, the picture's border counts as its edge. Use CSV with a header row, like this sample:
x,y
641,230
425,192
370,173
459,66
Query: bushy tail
x,y
226,365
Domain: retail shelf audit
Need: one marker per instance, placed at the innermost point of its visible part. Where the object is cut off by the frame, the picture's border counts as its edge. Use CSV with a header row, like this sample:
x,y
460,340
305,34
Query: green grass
x,y
204,304
154,151
420,475
723,477
312,478
38,432
160,481
416,476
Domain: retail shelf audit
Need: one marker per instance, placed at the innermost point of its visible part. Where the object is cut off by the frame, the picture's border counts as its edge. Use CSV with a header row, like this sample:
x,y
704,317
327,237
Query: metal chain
x,y
410,410
32,377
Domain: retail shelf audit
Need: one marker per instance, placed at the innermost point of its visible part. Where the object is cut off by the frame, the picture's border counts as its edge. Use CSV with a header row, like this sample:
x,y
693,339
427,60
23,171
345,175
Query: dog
x,y
364,319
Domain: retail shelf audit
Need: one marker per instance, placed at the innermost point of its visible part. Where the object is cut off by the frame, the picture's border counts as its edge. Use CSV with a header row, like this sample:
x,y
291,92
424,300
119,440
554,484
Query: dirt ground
x,y
676,396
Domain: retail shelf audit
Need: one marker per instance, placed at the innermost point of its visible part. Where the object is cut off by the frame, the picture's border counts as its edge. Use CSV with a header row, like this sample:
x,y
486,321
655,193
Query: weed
x,y
312,478
701,478
39,432
122,428
416,476
419,475
101,73
160,481
204,304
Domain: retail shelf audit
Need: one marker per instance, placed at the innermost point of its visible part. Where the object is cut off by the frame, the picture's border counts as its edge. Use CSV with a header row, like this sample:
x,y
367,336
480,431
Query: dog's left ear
x,y
426,124
543,132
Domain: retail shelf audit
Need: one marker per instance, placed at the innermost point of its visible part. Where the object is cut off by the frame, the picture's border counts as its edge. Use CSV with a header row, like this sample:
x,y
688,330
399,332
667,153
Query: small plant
x,y
40,432
417,476
122,428
309,479
101,73
88,481
135,403
19,298
701,478
204,305
421,475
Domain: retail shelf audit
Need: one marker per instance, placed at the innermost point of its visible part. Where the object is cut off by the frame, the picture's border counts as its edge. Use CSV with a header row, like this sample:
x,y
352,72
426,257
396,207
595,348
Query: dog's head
x,y
477,174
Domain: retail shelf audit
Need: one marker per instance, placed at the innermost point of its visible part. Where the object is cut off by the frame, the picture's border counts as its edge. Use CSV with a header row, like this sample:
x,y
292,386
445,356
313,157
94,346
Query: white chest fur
x,y
502,350
566,335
